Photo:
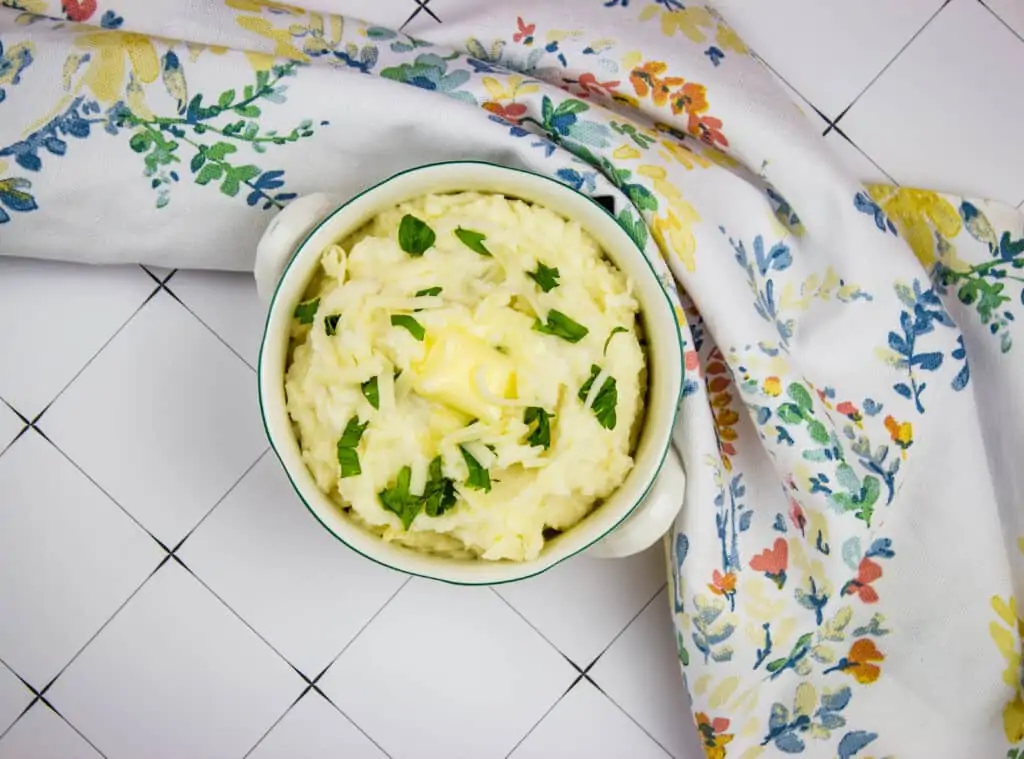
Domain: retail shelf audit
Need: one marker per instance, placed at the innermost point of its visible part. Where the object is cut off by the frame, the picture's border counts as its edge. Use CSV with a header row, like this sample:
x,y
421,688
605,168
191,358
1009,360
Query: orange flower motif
x,y
773,562
867,572
772,386
713,737
847,409
722,584
902,433
718,384
525,32
708,128
858,661
589,85
511,112
691,99
646,80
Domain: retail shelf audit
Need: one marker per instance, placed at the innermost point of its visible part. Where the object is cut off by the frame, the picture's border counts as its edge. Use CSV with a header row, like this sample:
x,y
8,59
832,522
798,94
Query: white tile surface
x,y
581,605
41,734
850,156
1010,11
641,673
585,724
314,729
828,51
227,303
271,561
10,426
14,697
68,558
438,654
959,59
75,310
175,674
166,381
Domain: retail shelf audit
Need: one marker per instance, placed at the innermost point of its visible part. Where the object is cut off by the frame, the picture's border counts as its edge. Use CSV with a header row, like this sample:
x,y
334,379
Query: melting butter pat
x,y
465,373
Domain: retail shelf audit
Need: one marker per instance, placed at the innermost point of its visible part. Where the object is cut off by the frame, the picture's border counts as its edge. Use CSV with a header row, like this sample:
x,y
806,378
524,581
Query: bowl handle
x,y
283,236
652,518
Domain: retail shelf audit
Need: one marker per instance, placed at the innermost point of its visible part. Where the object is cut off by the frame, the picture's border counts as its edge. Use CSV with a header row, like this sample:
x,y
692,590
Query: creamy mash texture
x,y
466,375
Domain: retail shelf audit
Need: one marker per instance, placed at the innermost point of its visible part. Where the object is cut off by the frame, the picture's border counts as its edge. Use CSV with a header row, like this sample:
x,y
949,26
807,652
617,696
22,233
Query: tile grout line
x,y
856,147
68,723
94,356
616,703
312,682
890,63
544,716
1001,20
628,625
199,319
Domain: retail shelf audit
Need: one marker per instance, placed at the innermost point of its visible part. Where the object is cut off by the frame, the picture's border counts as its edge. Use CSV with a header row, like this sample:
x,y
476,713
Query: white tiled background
x,y
162,593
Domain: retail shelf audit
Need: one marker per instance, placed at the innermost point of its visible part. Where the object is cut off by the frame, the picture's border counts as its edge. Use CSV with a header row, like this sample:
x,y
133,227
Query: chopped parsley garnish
x,y
473,240
371,393
605,401
331,324
429,291
348,458
545,277
541,434
414,236
479,478
409,323
612,334
439,494
560,325
399,500
306,310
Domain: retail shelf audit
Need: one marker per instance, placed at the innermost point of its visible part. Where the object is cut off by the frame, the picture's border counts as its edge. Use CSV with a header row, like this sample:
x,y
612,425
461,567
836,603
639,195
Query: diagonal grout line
x,y
68,723
813,107
533,627
634,721
341,711
892,61
1001,20
874,163
626,627
413,15
423,4
543,717
277,722
361,630
184,305
95,355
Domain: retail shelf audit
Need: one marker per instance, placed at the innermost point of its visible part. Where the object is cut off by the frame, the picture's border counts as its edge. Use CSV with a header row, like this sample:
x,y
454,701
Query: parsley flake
x,y
409,323
429,291
414,236
560,325
473,240
605,401
371,392
545,277
479,478
348,458
399,501
439,494
331,324
612,334
306,310
541,434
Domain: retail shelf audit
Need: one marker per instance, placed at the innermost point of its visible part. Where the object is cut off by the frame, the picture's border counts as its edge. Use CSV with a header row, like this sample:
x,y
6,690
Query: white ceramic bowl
x,y
634,517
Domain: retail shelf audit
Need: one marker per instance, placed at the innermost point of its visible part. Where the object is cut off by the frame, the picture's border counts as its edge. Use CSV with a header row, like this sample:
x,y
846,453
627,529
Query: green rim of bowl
x,y
270,439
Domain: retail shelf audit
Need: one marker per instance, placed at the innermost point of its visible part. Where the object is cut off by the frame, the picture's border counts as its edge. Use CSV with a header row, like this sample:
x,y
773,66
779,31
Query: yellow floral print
x,y
673,231
282,39
258,6
918,215
691,22
112,55
1007,637
512,88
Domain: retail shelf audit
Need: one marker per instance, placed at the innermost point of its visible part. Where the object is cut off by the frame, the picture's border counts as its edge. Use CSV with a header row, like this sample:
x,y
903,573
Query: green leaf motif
x,y
414,236
790,413
545,276
306,310
818,432
409,323
479,478
800,396
560,325
209,173
473,240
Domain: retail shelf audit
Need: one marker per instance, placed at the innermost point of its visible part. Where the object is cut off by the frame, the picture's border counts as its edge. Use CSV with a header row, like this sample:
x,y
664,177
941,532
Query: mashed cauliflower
x,y
466,375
